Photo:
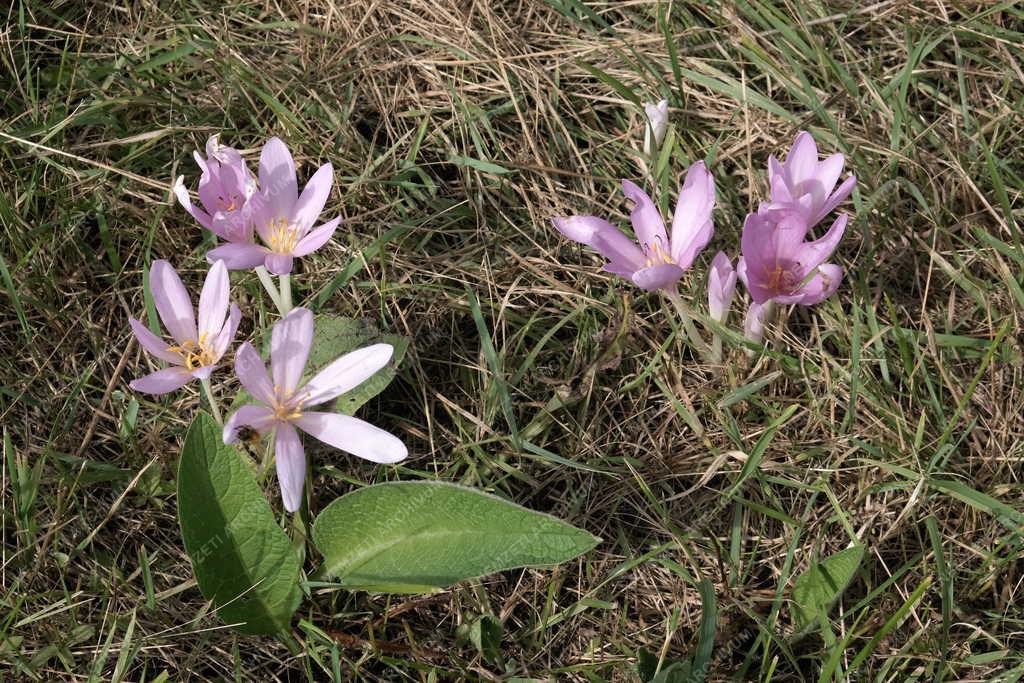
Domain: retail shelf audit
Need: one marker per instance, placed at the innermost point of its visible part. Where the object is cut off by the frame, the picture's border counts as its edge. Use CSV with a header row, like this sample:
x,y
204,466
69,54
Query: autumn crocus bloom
x,y
721,287
283,219
779,265
225,187
657,126
754,322
195,351
805,185
286,404
658,262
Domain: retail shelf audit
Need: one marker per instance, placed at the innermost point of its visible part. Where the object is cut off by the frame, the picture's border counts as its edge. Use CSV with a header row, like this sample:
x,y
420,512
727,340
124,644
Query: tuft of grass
x,y
889,415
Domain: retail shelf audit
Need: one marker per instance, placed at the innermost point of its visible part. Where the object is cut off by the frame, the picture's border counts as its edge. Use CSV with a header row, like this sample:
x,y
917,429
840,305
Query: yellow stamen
x,y
283,236
658,256
194,354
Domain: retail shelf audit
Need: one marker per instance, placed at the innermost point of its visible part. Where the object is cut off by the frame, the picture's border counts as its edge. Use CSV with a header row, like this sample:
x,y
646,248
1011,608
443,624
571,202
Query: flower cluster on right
x,y
778,263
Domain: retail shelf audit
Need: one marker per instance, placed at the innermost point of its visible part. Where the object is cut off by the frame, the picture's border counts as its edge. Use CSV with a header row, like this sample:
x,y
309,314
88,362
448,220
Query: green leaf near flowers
x,y
815,591
243,561
414,537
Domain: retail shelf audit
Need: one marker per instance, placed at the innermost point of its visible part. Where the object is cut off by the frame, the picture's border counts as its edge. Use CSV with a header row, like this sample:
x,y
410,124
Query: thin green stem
x,y
268,284
208,390
686,318
286,293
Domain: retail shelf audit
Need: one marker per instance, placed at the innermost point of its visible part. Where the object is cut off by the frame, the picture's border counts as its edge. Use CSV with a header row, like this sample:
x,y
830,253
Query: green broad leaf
x,y
334,336
403,537
670,672
243,561
815,591
484,634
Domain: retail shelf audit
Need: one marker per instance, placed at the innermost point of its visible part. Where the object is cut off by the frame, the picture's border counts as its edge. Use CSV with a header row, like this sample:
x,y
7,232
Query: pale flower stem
x,y
692,335
268,284
208,390
286,294
716,348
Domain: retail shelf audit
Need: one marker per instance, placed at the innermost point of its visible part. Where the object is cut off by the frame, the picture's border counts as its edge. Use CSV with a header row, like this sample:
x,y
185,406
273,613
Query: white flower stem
x,y
268,284
286,294
716,348
208,390
692,335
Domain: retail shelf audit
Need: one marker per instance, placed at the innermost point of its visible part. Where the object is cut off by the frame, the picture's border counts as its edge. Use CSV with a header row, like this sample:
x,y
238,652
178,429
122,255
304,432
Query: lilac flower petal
x,y
238,255
605,238
827,174
259,418
161,381
277,178
802,160
227,332
203,372
811,254
290,341
354,436
721,286
646,219
252,373
753,323
741,270
307,209
317,238
691,223
657,277
213,301
822,285
233,226
346,373
186,202
152,343
776,174
291,465
172,301
278,264
837,198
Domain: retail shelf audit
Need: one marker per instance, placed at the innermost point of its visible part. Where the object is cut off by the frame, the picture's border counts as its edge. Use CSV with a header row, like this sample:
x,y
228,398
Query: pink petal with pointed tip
x,y
317,238
837,198
691,223
354,436
213,301
346,373
277,178
307,209
290,342
802,160
152,343
172,301
252,373
647,222
291,465
823,285
227,332
186,202
161,381
238,255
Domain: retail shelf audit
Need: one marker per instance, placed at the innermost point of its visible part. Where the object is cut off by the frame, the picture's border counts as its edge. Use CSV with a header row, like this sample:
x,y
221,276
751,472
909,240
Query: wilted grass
x,y
889,415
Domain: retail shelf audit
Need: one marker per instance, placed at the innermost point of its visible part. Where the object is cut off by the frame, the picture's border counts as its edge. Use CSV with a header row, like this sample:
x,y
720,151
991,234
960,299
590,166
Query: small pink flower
x,y
195,351
804,185
658,262
283,219
779,265
657,126
286,404
225,187
721,287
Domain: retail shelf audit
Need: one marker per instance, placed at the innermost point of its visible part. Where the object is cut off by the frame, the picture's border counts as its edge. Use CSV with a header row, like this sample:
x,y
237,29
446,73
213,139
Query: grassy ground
x,y
889,414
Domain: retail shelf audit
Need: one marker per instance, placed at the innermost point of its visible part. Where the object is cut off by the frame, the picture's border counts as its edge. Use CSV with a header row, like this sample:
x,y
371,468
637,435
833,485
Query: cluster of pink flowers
x,y
237,208
778,264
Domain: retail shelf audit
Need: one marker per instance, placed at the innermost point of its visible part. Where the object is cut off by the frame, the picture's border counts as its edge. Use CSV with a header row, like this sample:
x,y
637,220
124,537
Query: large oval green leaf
x,y
413,537
820,586
242,559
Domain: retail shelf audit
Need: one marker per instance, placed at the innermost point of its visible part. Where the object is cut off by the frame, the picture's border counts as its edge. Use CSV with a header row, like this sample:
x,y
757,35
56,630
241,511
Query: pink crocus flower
x,y
283,219
721,287
657,126
805,185
225,187
196,350
286,404
779,265
754,322
658,262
